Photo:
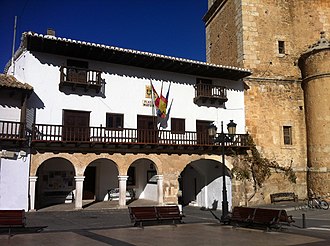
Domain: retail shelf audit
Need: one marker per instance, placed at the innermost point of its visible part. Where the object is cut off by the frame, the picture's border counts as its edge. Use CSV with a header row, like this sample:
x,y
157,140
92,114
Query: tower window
x,y
287,135
281,47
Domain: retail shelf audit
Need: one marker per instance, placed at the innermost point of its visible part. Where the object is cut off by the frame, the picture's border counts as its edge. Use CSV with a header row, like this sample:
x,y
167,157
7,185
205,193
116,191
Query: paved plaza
x,y
98,224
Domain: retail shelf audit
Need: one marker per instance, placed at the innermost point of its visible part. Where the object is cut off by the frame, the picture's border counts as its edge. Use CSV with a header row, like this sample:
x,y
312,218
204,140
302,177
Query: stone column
x,y
160,191
315,67
79,191
122,190
32,192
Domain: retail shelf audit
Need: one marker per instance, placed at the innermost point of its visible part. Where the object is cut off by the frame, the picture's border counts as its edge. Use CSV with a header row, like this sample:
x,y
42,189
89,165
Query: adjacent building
x,y
15,151
286,46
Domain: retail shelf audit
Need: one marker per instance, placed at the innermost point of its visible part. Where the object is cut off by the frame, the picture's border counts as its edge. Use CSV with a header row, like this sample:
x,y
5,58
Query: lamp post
x,y
212,130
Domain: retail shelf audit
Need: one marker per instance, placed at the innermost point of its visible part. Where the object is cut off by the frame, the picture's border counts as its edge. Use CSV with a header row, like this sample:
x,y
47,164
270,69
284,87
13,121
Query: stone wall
x,y
246,33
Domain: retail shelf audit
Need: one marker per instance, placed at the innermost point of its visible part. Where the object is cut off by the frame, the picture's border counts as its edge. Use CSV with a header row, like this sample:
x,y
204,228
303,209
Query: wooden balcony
x,y
12,134
210,95
87,79
57,138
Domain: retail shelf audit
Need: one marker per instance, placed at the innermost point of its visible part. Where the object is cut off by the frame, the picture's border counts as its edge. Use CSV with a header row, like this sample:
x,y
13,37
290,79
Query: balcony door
x,y
77,71
202,132
76,125
147,129
204,87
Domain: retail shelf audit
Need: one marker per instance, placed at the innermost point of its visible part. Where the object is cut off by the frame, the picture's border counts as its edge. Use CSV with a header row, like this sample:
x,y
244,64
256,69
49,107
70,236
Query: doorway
x,y
147,129
76,125
89,183
202,132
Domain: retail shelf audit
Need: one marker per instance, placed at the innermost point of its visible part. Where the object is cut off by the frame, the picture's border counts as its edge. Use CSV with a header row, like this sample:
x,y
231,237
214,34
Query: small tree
x,y
252,166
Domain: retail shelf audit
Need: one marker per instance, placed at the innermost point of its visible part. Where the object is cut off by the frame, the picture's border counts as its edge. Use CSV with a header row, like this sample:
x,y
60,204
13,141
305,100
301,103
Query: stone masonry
x,y
268,37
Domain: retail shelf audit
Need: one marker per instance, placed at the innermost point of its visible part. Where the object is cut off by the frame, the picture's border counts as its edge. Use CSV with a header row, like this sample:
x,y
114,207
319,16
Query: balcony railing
x,y
54,134
210,94
80,77
10,130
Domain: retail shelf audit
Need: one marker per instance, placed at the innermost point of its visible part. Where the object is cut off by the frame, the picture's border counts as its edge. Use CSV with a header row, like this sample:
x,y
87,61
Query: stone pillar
x,y
122,190
79,191
160,191
32,192
315,67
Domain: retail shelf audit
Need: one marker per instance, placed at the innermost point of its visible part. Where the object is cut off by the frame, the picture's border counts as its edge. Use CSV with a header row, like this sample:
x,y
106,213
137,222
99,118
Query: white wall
x,y
9,108
124,93
14,183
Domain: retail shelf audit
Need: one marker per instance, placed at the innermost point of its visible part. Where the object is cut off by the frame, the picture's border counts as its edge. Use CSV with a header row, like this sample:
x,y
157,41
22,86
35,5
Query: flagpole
x,y
152,100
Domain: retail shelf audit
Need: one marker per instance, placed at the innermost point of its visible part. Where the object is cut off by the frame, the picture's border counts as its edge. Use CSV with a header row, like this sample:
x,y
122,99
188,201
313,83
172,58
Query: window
x,y
281,47
287,135
115,121
177,125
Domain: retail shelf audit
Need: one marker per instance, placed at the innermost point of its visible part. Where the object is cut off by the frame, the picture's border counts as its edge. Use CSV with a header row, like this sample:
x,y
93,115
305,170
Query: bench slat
x,y
169,213
9,218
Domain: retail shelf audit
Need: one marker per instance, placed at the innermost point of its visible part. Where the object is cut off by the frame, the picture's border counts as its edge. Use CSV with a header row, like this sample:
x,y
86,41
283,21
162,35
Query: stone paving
x,y
102,224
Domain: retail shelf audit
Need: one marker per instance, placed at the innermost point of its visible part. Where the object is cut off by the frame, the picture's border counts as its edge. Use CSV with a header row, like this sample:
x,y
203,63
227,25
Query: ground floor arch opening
x,y
201,184
143,180
55,183
101,176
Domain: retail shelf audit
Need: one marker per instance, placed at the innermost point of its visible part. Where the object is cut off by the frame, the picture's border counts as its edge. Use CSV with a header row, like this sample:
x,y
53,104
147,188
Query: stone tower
x,y
315,67
268,37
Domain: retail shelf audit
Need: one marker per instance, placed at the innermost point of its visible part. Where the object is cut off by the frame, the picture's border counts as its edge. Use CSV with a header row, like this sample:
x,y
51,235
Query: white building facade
x,y
94,130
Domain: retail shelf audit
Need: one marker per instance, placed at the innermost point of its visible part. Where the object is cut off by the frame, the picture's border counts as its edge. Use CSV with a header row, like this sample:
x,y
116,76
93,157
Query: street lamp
x,y
212,130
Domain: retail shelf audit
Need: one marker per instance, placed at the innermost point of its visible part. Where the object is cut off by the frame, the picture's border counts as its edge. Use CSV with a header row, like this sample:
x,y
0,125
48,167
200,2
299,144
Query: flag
x,y
161,103
155,96
163,121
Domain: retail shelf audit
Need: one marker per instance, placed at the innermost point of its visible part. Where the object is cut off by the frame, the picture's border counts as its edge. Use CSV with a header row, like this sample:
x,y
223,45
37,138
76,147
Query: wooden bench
x,y
283,196
269,218
12,218
242,215
158,214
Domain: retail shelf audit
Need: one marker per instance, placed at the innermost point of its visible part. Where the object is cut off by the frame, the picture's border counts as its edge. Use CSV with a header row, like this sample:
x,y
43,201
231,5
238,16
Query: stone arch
x,y
38,159
129,159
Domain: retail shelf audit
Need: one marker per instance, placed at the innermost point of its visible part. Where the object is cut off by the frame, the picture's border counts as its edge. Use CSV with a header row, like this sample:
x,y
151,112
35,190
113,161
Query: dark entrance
x,y
147,129
75,125
89,183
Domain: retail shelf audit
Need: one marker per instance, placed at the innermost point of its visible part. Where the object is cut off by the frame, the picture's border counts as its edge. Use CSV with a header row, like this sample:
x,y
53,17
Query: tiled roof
x,y
10,81
86,50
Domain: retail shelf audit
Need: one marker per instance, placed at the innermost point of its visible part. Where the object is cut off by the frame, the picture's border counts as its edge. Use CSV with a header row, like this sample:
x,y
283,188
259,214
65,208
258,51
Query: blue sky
x,y
169,27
